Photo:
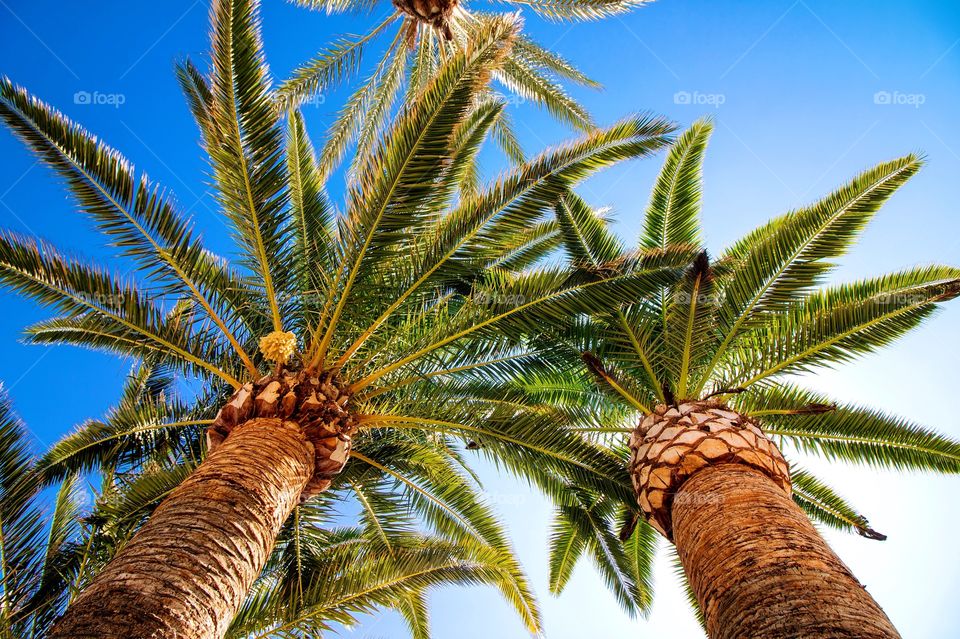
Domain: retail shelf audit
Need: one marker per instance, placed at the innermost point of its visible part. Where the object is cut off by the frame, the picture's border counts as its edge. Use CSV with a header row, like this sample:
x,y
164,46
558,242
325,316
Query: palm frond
x,y
586,236
567,546
328,69
530,83
248,163
468,240
673,215
836,324
851,433
146,425
100,311
824,505
21,525
196,90
402,175
591,522
534,54
64,538
136,215
580,9
313,220
415,612
788,256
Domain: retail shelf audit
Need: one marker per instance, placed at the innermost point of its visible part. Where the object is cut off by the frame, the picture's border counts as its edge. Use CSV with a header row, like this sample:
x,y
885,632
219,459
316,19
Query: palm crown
x,y
422,34
371,299
738,330
321,573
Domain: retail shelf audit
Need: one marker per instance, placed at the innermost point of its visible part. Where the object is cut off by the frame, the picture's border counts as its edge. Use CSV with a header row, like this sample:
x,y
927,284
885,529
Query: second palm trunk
x,y
712,482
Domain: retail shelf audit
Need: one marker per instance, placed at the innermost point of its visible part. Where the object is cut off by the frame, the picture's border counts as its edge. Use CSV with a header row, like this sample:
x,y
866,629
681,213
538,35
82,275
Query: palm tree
x,y
421,35
708,366
317,576
333,331
320,572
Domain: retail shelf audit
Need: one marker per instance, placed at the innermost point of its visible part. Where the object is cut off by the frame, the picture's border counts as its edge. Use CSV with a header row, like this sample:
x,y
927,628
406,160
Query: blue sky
x,y
804,94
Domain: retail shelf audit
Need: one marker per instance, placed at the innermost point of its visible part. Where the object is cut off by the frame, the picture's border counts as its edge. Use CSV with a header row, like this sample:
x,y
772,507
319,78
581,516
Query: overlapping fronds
x,y
778,263
424,289
36,539
149,423
414,51
347,575
587,526
736,328
138,217
755,314
247,156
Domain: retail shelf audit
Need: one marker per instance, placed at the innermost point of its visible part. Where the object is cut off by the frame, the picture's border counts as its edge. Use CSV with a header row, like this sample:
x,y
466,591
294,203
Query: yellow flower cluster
x,y
278,346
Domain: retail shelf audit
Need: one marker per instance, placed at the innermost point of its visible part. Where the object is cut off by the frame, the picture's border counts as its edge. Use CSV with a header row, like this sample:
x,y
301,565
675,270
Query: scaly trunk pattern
x,y
759,567
187,570
714,484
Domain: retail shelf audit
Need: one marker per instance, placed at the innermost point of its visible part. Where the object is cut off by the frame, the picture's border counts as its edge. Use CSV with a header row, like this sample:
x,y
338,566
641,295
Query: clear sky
x,y
805,93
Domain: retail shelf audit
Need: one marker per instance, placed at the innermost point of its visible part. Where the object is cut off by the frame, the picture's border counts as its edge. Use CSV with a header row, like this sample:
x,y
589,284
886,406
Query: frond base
x,y
434,13
318,403
674,442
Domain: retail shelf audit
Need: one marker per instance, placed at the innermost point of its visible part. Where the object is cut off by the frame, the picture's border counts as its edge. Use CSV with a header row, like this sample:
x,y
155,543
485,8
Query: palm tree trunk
x,y
187,570
713,483
758,566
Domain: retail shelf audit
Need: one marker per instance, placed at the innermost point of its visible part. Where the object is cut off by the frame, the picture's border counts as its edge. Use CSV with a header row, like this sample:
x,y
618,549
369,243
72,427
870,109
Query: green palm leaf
x,y
824,505
673,213
836,324
248,167
328,68
788,255
580,9
851,433
137,215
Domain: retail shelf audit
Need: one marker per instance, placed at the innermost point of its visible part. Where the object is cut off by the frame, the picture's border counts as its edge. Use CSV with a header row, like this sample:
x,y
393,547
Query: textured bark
x,y
435,13
759,568
675,442
318,401
187,570
710,480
